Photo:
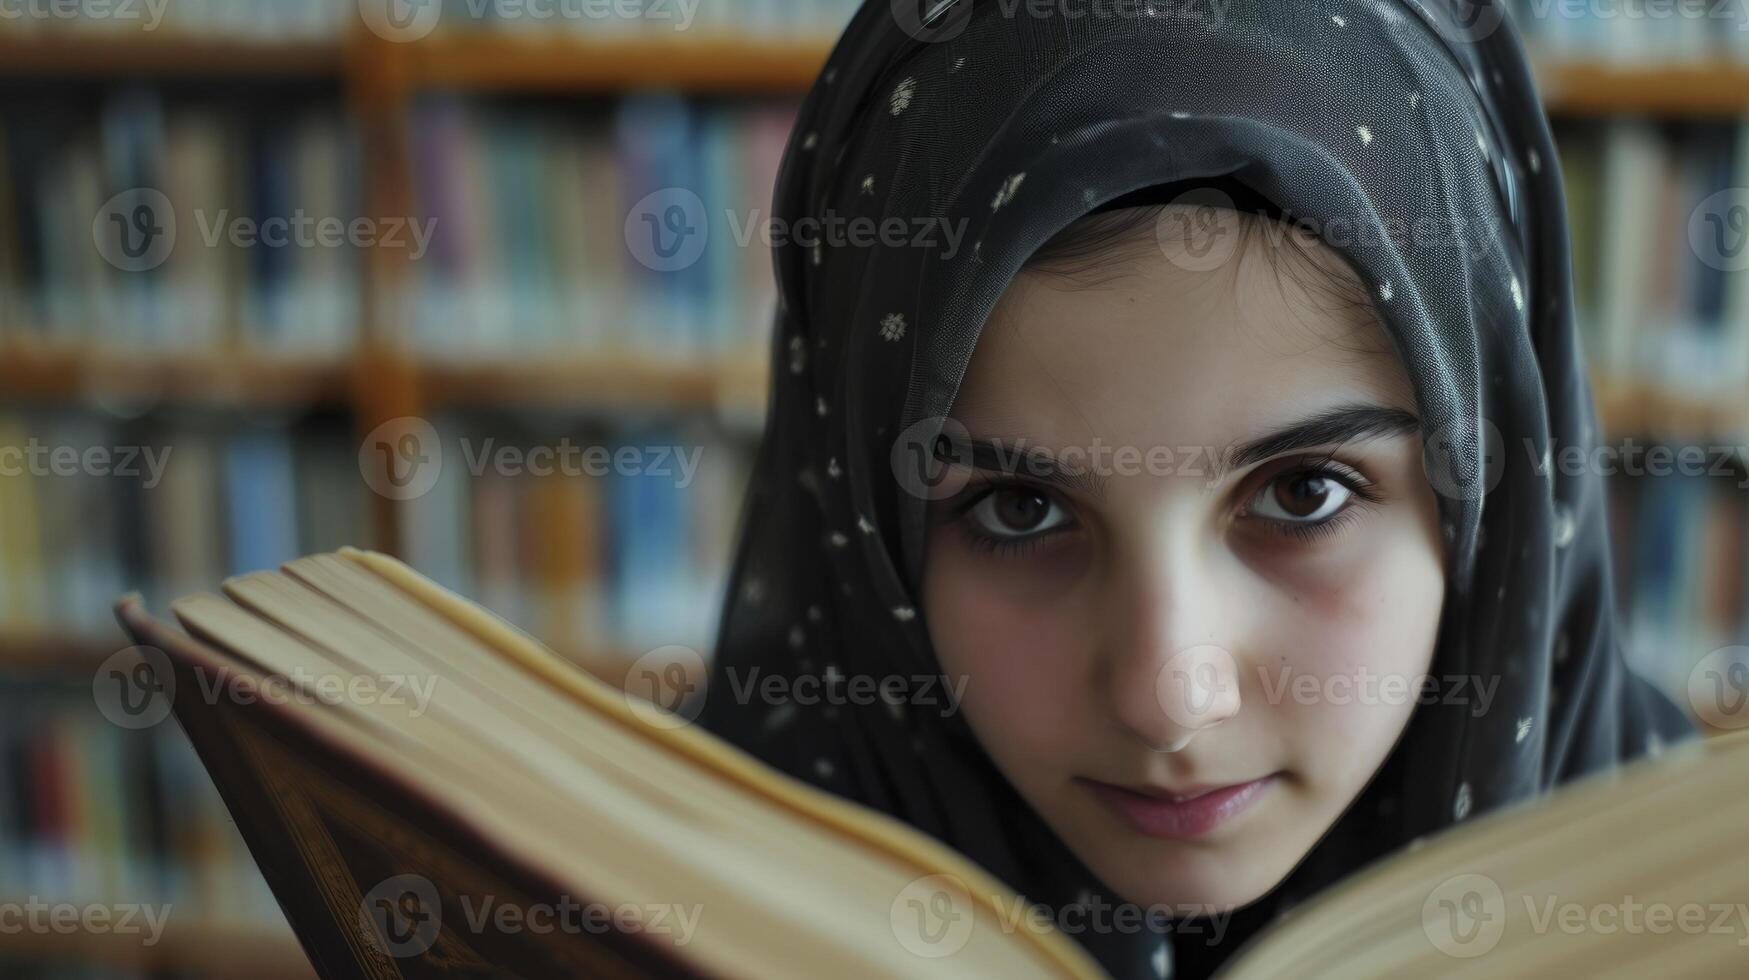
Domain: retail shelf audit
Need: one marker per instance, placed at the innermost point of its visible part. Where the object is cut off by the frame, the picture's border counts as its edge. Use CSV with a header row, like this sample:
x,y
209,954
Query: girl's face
x,y
1218,597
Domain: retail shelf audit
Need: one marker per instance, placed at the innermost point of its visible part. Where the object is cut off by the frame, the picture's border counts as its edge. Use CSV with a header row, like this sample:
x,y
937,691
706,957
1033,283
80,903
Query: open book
x,y
431,793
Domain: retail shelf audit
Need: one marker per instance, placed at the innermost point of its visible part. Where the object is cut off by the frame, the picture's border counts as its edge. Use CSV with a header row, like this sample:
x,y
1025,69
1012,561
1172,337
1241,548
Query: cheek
x,y
1351,651
1021,656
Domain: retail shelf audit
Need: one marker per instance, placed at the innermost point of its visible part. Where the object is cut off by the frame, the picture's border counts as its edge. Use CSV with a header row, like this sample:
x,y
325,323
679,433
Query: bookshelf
x,y
379,80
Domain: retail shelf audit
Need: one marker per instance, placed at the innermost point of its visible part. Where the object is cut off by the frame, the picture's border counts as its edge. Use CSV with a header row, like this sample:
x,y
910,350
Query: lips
x,y
1179,813
1180,796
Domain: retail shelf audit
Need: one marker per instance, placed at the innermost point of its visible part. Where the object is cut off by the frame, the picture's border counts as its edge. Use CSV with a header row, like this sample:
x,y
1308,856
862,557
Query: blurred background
x,y
291,243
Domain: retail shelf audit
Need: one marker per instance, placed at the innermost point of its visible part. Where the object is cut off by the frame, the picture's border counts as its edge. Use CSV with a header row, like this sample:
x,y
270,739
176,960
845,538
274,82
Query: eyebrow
x,y
1338,425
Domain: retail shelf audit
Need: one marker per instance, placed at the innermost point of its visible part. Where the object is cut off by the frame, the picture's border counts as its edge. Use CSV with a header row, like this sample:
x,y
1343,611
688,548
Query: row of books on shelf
x,y
1628,30
1660,233
141,224
591,538
621,564
92,507
96,814
401,20
647,227
640,224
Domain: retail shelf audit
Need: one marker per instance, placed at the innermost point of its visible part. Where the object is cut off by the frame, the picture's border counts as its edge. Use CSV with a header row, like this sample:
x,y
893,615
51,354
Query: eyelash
x,y
990,544
1323,467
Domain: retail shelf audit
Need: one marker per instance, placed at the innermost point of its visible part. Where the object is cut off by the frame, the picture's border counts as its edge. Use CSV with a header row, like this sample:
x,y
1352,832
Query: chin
x,y
1166,875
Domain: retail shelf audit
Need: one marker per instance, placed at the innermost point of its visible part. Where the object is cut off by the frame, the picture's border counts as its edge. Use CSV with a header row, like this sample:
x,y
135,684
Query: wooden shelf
x,y
493,63
1602,88
39,373
32,373
571,381
214,948
1627,406
615,381
125,55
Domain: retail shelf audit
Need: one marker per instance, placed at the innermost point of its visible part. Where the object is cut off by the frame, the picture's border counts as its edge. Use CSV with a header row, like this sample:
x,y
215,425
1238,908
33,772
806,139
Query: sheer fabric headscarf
x,y
1409,134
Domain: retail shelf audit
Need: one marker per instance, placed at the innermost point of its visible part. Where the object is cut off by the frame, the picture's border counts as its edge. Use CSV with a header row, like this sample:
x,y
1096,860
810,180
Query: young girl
x,y
1156,502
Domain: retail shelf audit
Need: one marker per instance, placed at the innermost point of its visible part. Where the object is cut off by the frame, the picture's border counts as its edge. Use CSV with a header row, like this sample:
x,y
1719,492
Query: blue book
x,y
649,536
657,155
259,503
721,277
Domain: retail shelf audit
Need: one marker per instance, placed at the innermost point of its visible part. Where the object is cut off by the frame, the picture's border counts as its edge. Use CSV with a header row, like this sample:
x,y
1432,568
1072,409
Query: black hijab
x,y
1408,132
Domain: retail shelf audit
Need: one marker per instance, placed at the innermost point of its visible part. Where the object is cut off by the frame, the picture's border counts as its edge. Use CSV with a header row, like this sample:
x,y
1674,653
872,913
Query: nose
x,y
1167,678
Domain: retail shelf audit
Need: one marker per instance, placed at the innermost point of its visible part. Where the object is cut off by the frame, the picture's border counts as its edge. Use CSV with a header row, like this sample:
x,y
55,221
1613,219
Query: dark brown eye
x,y
1014,512
1302,497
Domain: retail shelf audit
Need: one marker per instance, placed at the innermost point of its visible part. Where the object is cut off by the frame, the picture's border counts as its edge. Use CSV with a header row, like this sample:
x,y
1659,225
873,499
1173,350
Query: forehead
x,y
1166,352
